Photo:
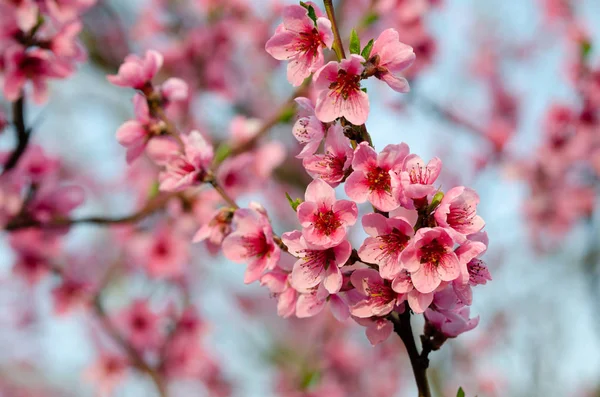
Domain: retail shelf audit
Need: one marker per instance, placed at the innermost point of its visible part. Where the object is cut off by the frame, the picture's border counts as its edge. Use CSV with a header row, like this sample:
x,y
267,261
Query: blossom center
x,y
419,175
309,42
256,246
345,84
392,244
326,221
379,179
433,252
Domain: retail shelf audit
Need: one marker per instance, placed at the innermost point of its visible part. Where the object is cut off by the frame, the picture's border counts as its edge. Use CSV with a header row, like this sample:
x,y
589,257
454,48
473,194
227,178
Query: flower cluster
x,y
423,246
38,41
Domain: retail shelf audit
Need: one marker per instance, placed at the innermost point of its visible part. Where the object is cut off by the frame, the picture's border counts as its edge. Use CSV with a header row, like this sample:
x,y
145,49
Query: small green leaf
x,y
460,393
436,200
370,19
309,379
293,203
366,52
586,49
364,89
354,42
287,114
153,191
312,14
223,151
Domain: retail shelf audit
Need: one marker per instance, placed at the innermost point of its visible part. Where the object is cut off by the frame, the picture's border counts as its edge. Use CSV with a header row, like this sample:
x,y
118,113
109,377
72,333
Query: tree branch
x,y
338,46
22,134
419,362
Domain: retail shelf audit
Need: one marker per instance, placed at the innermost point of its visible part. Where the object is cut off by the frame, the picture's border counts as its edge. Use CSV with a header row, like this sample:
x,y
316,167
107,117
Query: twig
x,y
22,134
150,208
419,362
338,46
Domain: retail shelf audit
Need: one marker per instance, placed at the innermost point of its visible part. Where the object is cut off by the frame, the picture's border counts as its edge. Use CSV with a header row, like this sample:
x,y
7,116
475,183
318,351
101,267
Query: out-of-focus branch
x,y
151,207
419,362
22,133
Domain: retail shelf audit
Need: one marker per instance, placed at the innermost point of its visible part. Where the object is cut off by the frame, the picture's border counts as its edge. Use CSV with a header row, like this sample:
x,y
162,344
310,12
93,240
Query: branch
x,y
150,208
419,362
136,358
338,46
22,134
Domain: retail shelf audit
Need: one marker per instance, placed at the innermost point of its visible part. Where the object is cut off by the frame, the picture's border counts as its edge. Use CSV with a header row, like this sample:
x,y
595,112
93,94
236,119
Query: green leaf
x,y
354,42
436,200
366,52
460,393
223,151
364,89
309,379
312,14
370,19
293,203
586,49
153,191
287,114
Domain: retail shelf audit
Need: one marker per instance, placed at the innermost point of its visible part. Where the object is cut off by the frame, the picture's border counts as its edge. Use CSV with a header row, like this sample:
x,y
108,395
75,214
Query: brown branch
x,y
134,356
419,362
22,134
150,208
338,46
287,107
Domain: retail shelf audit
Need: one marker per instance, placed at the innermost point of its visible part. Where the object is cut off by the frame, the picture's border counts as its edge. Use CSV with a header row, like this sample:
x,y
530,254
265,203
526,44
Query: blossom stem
x,y
228,199
22,133
338,46
419,362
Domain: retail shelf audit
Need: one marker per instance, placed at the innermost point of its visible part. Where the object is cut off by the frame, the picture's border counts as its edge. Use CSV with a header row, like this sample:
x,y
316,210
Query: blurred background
x,y
505,92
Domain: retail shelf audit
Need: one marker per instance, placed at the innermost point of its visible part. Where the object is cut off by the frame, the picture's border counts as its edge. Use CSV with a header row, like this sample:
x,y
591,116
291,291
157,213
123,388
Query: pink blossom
x,y
418,302
24,12
380,299
430,259
278,282
416,179
311,303
174,90
341,95
389,237
451,323
138,72
457,211
163,254
252,241
315,264
70,294
372,176
37,165
335,162
473,271
189,168
300,41
140,325
37,65
323,218
134,134
378,329
390,57
65,45
107,372
217,228
52,201
308,130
